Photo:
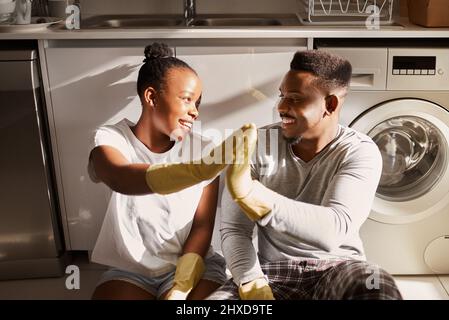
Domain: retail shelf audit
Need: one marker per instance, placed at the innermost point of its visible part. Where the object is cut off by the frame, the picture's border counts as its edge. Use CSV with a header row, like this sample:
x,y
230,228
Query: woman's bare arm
x,y
113,169
200,235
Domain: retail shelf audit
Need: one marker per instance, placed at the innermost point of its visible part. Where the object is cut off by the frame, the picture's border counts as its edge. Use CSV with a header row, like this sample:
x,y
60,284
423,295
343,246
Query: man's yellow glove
x,y
252,197
172,177
258,289
189,270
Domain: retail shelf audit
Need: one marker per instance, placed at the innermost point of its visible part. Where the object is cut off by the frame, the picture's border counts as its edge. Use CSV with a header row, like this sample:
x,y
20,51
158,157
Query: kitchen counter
x,y
407,30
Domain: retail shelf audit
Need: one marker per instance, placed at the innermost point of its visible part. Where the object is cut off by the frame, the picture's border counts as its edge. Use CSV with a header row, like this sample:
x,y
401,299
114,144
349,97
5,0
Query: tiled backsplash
x,y
94,7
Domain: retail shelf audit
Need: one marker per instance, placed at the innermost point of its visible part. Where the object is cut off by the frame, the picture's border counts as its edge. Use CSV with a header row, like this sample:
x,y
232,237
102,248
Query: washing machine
x,y
400,98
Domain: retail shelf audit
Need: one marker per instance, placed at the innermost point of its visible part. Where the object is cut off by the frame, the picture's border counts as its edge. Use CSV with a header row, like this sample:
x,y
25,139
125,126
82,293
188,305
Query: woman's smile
x,y
186,124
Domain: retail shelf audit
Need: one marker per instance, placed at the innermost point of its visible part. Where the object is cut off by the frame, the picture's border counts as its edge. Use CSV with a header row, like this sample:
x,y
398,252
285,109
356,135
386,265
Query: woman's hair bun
x,y
157,50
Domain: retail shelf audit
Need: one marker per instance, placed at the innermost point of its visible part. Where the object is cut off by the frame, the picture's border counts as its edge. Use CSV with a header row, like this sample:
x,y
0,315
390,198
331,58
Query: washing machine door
x,y
413,138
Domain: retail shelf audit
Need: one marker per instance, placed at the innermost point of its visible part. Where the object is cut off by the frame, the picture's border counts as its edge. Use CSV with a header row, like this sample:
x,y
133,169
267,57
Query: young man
x,y
308,198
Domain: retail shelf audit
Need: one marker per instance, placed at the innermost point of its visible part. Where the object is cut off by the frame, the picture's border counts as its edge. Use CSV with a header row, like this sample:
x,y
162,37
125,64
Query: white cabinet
x,y
92,86
240,84
89,87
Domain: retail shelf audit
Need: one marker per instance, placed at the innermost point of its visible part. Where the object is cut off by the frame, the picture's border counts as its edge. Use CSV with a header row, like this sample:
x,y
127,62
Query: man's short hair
x,y
332,71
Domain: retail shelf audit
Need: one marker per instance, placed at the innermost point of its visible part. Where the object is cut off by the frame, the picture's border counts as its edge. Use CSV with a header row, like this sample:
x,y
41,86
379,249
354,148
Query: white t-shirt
x,y
145,234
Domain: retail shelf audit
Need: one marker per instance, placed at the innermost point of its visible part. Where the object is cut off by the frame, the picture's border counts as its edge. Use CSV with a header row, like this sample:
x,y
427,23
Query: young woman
x,y
158,226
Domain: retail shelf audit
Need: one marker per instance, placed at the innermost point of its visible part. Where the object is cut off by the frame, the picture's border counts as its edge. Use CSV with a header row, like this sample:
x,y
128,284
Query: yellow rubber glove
x,y
258,289
252,197
189,270
172,177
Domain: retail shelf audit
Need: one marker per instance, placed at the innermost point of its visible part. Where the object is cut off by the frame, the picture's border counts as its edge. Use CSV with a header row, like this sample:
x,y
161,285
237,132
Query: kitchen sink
x,y
235,22
244,20
131,22
176,21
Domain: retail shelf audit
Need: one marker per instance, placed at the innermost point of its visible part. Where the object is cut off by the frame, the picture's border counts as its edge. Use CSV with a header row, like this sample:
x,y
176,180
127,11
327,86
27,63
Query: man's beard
x,y
292,140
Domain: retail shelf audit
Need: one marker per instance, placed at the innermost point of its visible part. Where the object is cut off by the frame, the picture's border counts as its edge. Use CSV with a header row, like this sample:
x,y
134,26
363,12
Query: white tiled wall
x,y
93,7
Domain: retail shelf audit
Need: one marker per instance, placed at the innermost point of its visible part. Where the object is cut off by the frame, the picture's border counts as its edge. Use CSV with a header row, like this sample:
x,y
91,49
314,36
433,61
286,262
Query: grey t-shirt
x,y
319,205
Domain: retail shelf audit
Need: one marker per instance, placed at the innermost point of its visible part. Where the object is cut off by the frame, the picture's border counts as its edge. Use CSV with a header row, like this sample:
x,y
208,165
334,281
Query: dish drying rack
x,y
343,12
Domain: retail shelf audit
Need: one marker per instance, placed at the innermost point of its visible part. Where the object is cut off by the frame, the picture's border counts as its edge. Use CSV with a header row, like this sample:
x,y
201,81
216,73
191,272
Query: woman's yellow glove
x,y
172,177
258,289
189,270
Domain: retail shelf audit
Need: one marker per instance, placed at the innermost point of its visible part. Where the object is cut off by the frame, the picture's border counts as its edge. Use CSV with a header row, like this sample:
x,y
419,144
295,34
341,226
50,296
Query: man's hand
x,y
243,189
257,289
238,175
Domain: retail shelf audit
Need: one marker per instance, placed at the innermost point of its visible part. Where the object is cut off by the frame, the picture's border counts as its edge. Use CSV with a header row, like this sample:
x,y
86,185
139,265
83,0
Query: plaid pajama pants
x,y
322,280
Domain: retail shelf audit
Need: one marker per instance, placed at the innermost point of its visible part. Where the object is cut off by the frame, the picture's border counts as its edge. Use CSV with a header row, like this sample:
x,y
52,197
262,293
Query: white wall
x,y
93,7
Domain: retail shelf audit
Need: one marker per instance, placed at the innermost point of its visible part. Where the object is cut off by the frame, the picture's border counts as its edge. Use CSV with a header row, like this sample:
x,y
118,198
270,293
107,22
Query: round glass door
x,y
412,136
413,154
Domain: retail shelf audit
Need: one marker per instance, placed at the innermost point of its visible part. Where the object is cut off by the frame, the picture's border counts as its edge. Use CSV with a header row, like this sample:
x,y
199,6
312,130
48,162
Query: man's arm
x,y
236,240
345,205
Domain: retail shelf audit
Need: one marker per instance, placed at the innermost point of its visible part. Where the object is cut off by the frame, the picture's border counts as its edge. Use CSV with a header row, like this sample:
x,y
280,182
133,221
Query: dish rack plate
x,y
343,12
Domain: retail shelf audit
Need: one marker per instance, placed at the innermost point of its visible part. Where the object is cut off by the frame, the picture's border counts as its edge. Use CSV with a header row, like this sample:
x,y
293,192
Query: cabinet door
x,y
240,84
89,87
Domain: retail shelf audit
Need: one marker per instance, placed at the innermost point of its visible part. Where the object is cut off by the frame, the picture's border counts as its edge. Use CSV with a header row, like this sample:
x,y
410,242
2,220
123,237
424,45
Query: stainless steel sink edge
x,y
177,21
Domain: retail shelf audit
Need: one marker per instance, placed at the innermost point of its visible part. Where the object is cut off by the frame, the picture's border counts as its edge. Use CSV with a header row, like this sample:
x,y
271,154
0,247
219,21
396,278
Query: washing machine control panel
x,y
418,69
414,65
402,68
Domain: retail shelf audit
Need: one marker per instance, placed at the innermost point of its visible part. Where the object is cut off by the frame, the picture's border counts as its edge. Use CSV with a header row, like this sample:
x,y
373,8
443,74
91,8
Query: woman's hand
x,y
189,270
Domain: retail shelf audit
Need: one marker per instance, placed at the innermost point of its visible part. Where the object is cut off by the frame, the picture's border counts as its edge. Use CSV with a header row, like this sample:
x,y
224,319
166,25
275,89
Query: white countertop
x,y
408,31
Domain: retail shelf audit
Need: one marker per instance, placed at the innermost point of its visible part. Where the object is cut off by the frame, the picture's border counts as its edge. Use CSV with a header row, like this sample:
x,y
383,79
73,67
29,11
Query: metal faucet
x,y
189,11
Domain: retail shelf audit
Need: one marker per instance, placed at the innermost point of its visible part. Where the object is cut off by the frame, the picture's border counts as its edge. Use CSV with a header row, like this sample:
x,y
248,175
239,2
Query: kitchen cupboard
x,y
91,85
240,83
